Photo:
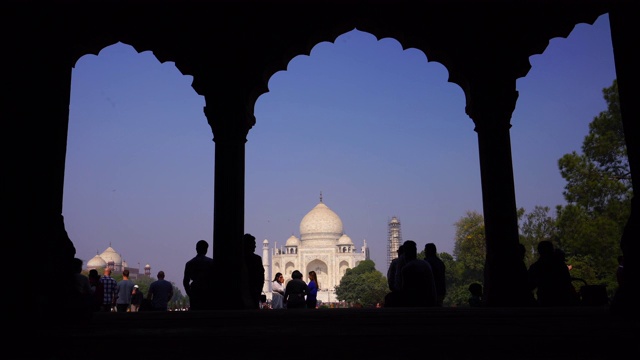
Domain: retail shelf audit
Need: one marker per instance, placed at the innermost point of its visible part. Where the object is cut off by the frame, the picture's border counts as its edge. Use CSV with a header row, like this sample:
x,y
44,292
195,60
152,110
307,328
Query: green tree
x,y
598,194
457,283
470,244
537,226
363,285
469,253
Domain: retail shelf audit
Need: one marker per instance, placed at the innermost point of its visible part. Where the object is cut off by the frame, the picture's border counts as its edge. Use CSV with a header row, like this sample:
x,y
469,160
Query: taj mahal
x,y
322,246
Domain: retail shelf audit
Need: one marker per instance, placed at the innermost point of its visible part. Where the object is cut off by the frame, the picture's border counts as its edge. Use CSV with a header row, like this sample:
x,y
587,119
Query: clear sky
x,y
377,129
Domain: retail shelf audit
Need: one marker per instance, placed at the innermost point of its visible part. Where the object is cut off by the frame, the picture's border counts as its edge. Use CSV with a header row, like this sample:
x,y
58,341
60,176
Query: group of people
x,y
413,283
416,282
421,282
105,294
200,271
297,294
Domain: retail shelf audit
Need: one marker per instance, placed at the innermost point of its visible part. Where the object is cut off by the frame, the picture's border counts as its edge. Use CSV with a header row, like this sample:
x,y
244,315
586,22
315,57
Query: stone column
x,y
230,123
623,19
35,127
490,103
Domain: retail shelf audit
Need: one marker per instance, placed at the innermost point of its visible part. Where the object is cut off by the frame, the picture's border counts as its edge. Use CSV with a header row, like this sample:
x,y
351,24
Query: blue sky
x,y
377,129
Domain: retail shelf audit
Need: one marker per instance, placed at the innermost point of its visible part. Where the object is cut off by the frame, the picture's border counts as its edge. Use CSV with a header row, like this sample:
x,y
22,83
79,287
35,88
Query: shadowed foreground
x,y
449,333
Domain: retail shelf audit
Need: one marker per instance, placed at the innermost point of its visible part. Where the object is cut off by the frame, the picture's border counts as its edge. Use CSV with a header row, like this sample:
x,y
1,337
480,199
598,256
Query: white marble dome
x,y
320,222
292,241
111,255
345,240
96,262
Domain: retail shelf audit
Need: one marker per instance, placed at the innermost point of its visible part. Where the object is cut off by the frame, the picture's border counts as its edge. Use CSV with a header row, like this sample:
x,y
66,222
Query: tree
x,y
469,253
537,226
456,280
363,285
598,194
470,244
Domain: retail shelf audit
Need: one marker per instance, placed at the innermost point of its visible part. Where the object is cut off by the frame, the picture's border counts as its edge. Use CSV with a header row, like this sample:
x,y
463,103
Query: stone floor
x,y
441,333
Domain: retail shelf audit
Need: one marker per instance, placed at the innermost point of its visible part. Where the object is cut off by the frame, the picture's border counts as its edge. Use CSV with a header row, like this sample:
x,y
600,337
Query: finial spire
x,y
321,196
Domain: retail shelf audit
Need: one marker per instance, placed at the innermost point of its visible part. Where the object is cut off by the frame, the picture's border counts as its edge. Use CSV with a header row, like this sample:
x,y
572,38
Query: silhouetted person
x,y
393,269
438,268
198,278
522,292
476,297
160,293
83,288
123,292
255,271
97,290
550,278
295,292
393,274
418,287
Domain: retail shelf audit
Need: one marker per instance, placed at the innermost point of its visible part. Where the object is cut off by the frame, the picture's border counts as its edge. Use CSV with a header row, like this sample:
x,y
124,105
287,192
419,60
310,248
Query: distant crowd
x,y
105,294
417,282
412,282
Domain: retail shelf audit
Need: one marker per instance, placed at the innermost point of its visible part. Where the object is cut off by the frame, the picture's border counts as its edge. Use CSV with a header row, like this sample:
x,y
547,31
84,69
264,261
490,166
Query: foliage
x,y
470,244
363,285
537,226
598,194
588,229
467,263
459,295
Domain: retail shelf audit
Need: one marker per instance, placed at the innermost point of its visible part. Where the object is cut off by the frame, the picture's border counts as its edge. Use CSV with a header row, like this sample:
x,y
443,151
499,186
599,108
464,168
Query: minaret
x,y
265,264
395,239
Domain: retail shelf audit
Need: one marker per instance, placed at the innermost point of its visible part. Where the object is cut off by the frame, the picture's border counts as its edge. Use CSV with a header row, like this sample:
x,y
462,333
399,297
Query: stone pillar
x,y
623,19
230,123
266,263
35,126
490,103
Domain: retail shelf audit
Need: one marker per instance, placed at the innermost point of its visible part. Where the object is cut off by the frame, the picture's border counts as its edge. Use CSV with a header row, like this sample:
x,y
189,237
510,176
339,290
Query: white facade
x,y
322,247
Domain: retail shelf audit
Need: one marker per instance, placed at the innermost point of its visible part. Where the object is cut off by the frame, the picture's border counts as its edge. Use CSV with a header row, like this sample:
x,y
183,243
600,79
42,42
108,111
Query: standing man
x,y
160,292
123,292
198,279
393,276
109,285
255,271
438,268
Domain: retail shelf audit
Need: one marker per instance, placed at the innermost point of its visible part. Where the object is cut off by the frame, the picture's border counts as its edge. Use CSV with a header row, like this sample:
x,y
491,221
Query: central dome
x,y
321,223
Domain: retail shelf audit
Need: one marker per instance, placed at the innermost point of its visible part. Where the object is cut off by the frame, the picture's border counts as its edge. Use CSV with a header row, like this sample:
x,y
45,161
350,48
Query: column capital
x,y
490,104
229,123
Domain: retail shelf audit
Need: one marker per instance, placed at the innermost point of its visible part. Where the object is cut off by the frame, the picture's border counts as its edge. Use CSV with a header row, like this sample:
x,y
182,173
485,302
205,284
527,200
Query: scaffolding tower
x,y
395,239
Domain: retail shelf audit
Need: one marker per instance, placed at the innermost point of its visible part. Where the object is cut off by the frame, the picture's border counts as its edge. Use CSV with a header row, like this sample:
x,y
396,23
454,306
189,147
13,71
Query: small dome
x,y
147,266
292,241
265,241
111,255
320,222
96,262
345,240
